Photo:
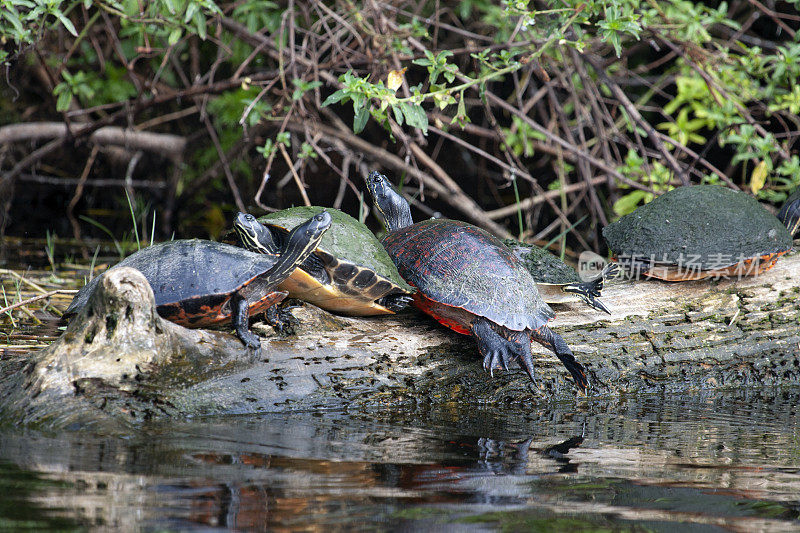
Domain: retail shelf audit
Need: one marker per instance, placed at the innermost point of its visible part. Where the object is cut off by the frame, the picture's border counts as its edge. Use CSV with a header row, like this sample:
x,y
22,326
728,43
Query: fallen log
x,y
660,337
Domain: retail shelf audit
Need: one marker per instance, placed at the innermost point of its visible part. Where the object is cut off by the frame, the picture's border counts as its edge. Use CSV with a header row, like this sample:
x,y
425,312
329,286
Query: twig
x,y
527,203
297,180
772,14
67,182
458,197
76,228
8,179
721,90
37,298
22,279
602,165
483,153
225,166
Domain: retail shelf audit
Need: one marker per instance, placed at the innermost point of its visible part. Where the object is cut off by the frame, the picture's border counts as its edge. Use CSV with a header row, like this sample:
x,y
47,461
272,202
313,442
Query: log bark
x,y
660,337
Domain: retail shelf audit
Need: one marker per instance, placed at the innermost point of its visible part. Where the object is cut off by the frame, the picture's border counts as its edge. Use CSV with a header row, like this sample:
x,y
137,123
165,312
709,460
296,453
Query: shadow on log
x,y
118,362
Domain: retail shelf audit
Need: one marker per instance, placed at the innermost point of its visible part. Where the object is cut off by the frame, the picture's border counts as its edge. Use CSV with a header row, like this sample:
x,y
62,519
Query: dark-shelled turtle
x,y
790,213
557,281
701,231
470,282
349,272
199,283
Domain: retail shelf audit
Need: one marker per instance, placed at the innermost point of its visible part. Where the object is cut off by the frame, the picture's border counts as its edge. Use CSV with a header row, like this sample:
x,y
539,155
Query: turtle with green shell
x,y
557,281
349,273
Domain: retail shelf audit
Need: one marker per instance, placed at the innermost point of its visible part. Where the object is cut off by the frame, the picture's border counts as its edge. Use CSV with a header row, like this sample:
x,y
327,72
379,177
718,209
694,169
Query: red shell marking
x,y
439,312
751,266
461,272
202,312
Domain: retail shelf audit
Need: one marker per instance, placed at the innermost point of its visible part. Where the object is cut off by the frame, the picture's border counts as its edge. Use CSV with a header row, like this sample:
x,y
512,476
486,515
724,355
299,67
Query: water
x,y
722,462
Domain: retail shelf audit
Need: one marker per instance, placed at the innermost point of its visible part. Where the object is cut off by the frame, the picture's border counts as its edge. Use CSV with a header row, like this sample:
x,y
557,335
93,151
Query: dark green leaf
x,y
66,22
64,99
174,36
12,16
336,97
200,24
191,9
415,116
360,120
398,114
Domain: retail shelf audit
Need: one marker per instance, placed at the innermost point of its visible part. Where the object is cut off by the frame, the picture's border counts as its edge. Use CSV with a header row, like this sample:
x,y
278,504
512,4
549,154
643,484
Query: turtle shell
x,y
708,226
461,266
356,261
542,265
193,280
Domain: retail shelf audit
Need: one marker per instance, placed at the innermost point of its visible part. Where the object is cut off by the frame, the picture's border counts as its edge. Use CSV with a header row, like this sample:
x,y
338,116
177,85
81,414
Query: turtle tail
x,y
790,213
590,290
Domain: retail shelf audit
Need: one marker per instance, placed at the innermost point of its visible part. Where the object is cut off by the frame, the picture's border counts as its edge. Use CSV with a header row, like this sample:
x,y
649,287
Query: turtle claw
x,y
490,362
495,359
497,352
597,304
395,302
252,341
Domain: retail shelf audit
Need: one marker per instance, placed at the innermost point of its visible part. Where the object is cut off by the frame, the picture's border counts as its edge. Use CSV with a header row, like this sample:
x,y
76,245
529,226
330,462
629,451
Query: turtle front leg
x,y
497,352
395,302
553,342
240,316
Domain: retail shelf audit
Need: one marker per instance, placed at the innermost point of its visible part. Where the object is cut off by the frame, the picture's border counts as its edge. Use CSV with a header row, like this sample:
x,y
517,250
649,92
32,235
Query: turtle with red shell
x,y
470,282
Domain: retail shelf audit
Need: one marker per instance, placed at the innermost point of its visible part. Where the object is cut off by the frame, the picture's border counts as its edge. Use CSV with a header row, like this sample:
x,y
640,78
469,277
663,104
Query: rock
x,y
119,362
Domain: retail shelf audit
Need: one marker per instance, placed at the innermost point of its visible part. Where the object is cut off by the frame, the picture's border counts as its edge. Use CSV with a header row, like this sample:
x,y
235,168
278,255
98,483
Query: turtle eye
x,y
249,218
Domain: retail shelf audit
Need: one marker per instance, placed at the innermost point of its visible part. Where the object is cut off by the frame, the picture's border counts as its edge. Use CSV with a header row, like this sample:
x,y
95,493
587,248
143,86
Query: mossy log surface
x,y
660,336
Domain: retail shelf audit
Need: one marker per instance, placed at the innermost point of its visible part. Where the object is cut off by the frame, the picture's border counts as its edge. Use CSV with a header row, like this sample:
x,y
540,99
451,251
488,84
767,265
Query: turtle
x,y
557,281
790,213
349,273
700,231
198,283
470,282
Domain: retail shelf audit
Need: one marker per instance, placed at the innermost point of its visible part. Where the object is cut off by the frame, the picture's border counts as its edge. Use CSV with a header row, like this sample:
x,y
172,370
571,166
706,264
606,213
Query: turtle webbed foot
x,y
281,320
395,302
496,352
251,340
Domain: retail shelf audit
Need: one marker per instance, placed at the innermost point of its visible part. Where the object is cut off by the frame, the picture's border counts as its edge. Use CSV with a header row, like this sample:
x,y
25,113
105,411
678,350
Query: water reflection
x,y
721,461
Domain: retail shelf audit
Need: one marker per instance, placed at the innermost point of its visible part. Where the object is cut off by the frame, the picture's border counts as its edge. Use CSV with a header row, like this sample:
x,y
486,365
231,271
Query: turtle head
x,y
254,235
304,239
392,206
299,244
790,213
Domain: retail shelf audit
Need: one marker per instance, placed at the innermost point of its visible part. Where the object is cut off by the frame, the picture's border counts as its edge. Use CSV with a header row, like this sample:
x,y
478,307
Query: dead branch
x,y
476,216
167,144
